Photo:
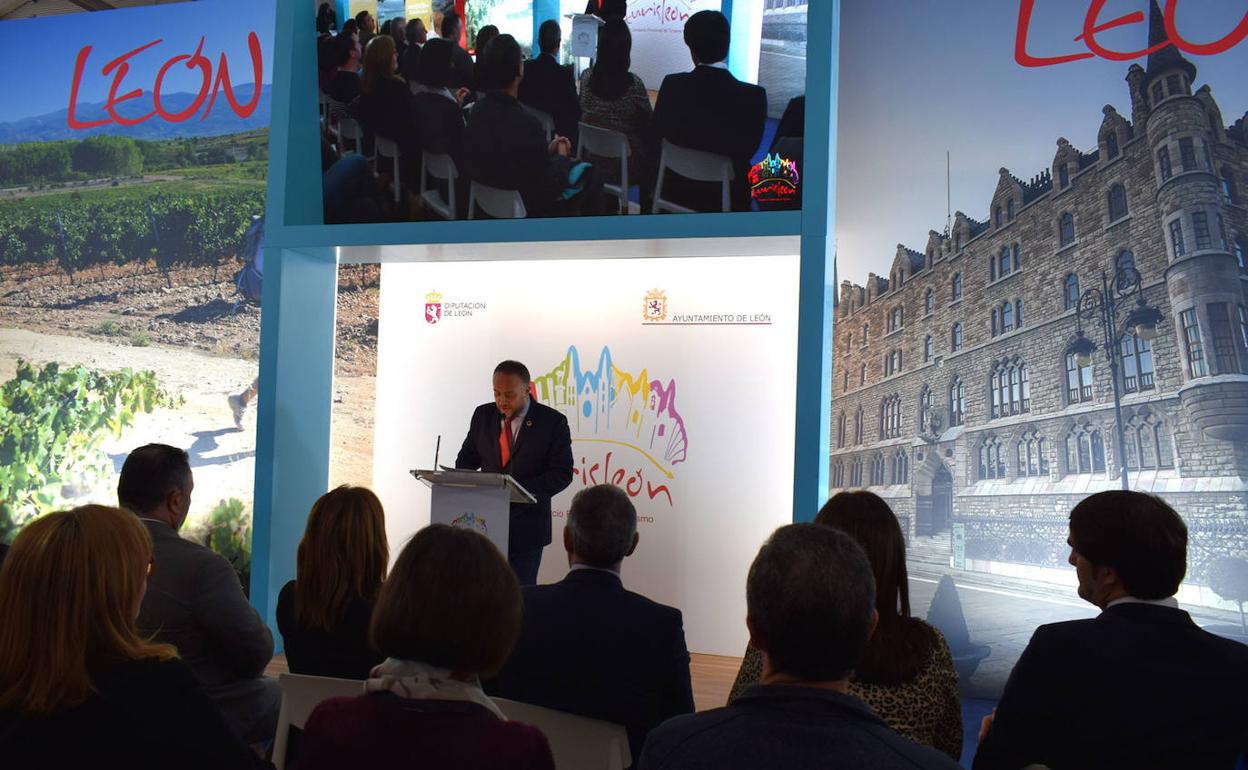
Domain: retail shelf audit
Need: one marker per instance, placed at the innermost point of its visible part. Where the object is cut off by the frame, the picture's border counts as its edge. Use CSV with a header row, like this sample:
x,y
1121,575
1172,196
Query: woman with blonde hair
x,y
78,685
324,612
386,107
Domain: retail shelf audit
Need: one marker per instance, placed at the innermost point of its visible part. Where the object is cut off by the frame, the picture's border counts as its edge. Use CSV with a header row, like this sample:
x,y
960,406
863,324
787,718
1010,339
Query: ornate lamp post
x,y
1103,304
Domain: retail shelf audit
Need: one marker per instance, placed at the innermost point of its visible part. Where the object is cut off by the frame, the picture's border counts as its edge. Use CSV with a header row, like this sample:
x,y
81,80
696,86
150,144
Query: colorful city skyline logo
x,y
469,520
433,307
626,425
774,180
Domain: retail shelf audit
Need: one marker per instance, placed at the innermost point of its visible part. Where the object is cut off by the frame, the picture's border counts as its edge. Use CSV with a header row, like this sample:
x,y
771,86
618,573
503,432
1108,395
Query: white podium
x,y
474,500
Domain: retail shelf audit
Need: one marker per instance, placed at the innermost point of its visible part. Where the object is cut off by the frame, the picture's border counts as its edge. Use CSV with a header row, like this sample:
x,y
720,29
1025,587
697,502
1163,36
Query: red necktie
x,y
504,441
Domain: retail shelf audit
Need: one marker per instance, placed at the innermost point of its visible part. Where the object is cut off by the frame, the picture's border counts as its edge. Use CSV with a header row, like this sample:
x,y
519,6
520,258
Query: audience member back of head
x,y
810,599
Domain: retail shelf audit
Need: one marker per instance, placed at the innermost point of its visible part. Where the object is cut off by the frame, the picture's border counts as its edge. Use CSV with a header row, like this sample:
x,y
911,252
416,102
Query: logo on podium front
x,y
471,521
655,308
433,307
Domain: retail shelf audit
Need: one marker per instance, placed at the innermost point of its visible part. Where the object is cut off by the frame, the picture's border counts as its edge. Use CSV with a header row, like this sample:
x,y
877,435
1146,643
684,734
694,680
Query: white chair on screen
x,y
300,695
389,148
349,130
577,743
438,166
696,165
500,204
548,123
605,143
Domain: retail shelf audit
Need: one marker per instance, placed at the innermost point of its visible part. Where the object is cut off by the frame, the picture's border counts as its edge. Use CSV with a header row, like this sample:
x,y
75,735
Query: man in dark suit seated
x,y
507,148
710,110
810,604
590,647
1138,686
548,85
461,61
530,442
409,62
194,600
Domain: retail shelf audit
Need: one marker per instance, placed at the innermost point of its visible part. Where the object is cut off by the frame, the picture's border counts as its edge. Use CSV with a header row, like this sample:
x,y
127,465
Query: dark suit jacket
x,y
1139,686
607,9
195,602
462,68
548,86
409,62
708,109
507,149
144,715
344,652
590,647
786,727
541,460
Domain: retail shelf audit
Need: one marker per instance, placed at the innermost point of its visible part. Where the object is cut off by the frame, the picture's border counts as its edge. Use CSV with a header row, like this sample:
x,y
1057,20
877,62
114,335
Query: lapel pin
x,y
528,423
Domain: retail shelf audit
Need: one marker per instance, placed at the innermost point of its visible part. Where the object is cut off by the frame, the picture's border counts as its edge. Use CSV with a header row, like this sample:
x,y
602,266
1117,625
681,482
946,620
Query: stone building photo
x,y
974,385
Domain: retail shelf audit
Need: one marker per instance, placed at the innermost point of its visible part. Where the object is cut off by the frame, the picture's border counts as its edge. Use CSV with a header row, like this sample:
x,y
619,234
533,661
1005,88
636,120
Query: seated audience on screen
x,y
607,9
351,29
906,674
549,86
710,110
195,601
409,62
507,146
448,614
344,83
810,599
484,36
461,62
398,31
386,107
326,19
441,117
367,26
323,614
80,686
589,646
1140,685
614,98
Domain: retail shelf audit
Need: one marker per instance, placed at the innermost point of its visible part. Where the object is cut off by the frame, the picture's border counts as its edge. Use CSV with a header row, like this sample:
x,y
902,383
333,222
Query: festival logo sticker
x,y
625,427
433,307
469,520
774,180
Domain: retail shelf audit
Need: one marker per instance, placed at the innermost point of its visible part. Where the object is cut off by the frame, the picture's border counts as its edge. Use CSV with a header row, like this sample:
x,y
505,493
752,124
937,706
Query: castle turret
x,y
1202,278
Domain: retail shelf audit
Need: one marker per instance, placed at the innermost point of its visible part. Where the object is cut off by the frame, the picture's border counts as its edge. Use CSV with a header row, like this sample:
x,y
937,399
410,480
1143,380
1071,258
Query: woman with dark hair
x,y
323,613
614,98
326,19
79,685
447,616
906,674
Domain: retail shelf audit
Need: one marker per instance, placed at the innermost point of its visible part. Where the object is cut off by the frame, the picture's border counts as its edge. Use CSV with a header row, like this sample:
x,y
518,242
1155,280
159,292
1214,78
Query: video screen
x,y
483,109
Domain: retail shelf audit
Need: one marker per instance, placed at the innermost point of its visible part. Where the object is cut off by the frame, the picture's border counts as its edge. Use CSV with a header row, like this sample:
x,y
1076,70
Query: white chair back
x,y
349,129
607,144
500,204
439,166
390,149
300,695
548,122
578,743
696,165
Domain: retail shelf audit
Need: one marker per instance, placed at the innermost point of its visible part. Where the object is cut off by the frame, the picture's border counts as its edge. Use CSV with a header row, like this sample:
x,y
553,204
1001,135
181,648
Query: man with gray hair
x,y
810,609
588,645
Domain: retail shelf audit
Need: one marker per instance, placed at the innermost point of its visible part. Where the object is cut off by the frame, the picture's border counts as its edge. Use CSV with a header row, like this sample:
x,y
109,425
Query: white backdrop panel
x,y
692,413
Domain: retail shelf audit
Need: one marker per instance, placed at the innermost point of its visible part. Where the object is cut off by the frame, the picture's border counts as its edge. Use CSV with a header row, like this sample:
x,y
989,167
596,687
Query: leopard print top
x,y
926,709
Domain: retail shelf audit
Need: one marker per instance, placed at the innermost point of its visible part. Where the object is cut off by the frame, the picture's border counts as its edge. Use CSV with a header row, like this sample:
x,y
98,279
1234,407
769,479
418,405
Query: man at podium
x,y
531,443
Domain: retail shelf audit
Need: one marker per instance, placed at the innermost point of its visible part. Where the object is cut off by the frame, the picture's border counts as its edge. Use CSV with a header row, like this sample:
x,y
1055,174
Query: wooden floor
x,y
712,677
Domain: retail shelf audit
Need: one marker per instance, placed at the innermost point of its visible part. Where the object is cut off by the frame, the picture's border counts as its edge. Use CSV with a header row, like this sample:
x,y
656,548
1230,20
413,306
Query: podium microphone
x,y
436,449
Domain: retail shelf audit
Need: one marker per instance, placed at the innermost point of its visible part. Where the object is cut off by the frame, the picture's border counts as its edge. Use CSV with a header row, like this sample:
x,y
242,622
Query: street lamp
x,y
1103,304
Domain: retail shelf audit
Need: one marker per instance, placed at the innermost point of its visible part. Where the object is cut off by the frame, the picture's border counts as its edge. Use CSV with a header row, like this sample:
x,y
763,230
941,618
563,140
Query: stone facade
x,y
1008,439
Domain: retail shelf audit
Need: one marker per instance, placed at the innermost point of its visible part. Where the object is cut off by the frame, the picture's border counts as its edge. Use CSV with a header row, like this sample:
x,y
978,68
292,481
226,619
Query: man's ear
x,y
756,641
633,547
567,540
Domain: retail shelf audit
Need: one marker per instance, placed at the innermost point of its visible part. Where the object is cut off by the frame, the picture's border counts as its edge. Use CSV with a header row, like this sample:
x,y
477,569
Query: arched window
x,y
1187,153
1229,193
1117,202
955,288
996,322
1085,450
1164,167
896,319
1011,388
838,474
1017,254
1078,381
862,375
858,427
1177,244
991,458
901,467
877,469
1004,262
1070,292
1148,443
955,338
1125,260
840,431
1032,455
929,302
1009,210
996,216
855,472
1063,176
1137,364
1111,145
866,330
929,348
992,268
1018,314
957,403
926,405
1066,229
890,417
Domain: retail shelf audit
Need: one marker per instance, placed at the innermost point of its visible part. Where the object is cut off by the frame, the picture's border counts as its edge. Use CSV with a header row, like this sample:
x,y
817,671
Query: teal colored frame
x,y
297,326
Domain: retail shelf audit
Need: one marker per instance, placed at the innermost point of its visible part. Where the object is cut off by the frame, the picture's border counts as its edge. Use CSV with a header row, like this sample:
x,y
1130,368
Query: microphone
x,y
437,448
